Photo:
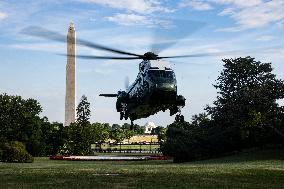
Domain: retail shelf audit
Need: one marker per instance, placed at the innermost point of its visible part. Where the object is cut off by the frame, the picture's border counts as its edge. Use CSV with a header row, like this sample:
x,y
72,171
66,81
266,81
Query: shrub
x,y
14,152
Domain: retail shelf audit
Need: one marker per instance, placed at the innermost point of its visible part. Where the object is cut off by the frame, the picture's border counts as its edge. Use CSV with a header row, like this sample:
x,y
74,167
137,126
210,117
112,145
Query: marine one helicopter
x,y
154,89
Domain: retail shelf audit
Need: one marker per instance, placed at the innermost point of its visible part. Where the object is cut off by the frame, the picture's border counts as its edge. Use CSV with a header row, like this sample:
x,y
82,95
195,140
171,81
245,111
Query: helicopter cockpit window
x,y
155,73
161,73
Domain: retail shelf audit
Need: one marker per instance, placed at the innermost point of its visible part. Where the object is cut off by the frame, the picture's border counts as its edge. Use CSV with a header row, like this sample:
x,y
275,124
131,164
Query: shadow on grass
x,y
251,155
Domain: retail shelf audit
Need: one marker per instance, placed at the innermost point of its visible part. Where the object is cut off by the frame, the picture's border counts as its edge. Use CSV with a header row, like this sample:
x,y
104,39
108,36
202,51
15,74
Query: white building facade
x,y
149,126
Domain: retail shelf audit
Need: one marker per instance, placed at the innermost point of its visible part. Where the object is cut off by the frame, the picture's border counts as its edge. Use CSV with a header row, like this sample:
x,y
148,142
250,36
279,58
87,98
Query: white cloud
x,y
252,14
247,14
229,29
142,20
260,15
227,11
195,4
3,15
280,24
238,3
209,4
266,38
128,19
137,6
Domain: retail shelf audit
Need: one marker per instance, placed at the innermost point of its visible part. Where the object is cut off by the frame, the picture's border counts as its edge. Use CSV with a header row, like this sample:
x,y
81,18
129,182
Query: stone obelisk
x,y
70,97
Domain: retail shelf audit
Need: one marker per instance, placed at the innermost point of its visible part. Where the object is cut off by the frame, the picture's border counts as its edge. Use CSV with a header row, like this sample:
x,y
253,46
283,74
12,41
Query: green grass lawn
x,y
254,169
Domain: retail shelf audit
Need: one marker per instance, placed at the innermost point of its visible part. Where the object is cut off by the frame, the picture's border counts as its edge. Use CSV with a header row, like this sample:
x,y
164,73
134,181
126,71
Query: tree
x,y
185,142
115,126
20,121
14,151
160,132
126,126
53,136
101,132
200,120
138,129
83,112
248,91
128,133
79,139
244,115
118,135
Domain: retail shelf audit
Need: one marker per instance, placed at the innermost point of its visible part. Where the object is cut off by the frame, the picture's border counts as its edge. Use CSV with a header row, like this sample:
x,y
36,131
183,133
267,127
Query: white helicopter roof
x,y
160,64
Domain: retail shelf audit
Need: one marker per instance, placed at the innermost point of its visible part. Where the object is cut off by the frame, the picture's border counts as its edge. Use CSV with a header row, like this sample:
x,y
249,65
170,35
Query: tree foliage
x,y
80,135
101,132
20,121
78,139
118,135
244,115
248,91
14,151
53,136
18,115
83,112
185,141
160,132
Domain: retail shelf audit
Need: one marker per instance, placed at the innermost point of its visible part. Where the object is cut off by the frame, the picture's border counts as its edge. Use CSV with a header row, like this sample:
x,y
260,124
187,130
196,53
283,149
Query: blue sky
x,y
30,67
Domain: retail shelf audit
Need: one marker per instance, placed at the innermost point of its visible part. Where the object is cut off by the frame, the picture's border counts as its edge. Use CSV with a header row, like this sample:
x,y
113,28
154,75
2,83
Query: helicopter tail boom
x,y
109,95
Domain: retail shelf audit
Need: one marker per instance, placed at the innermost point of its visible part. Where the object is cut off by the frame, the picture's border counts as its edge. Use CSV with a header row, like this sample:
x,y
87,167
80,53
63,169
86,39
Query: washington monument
x,y
70,97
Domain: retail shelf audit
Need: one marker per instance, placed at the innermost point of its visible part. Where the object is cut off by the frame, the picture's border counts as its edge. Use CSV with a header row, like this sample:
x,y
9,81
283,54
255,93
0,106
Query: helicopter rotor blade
x,y
194,55
101,57
109,95
224,53
36,31
169,27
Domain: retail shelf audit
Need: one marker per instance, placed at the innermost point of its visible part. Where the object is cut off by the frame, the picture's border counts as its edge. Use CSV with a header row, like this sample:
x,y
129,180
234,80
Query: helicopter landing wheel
x,y
126,115
177,118
181,118
121,115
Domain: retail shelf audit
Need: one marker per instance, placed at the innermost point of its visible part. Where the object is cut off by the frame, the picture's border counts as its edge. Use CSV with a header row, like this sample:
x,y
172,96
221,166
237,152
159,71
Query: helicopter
x,y
154,90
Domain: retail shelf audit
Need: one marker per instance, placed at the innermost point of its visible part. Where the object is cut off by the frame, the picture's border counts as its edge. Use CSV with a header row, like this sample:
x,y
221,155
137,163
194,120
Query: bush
x,y
190,142
14,152
185,142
